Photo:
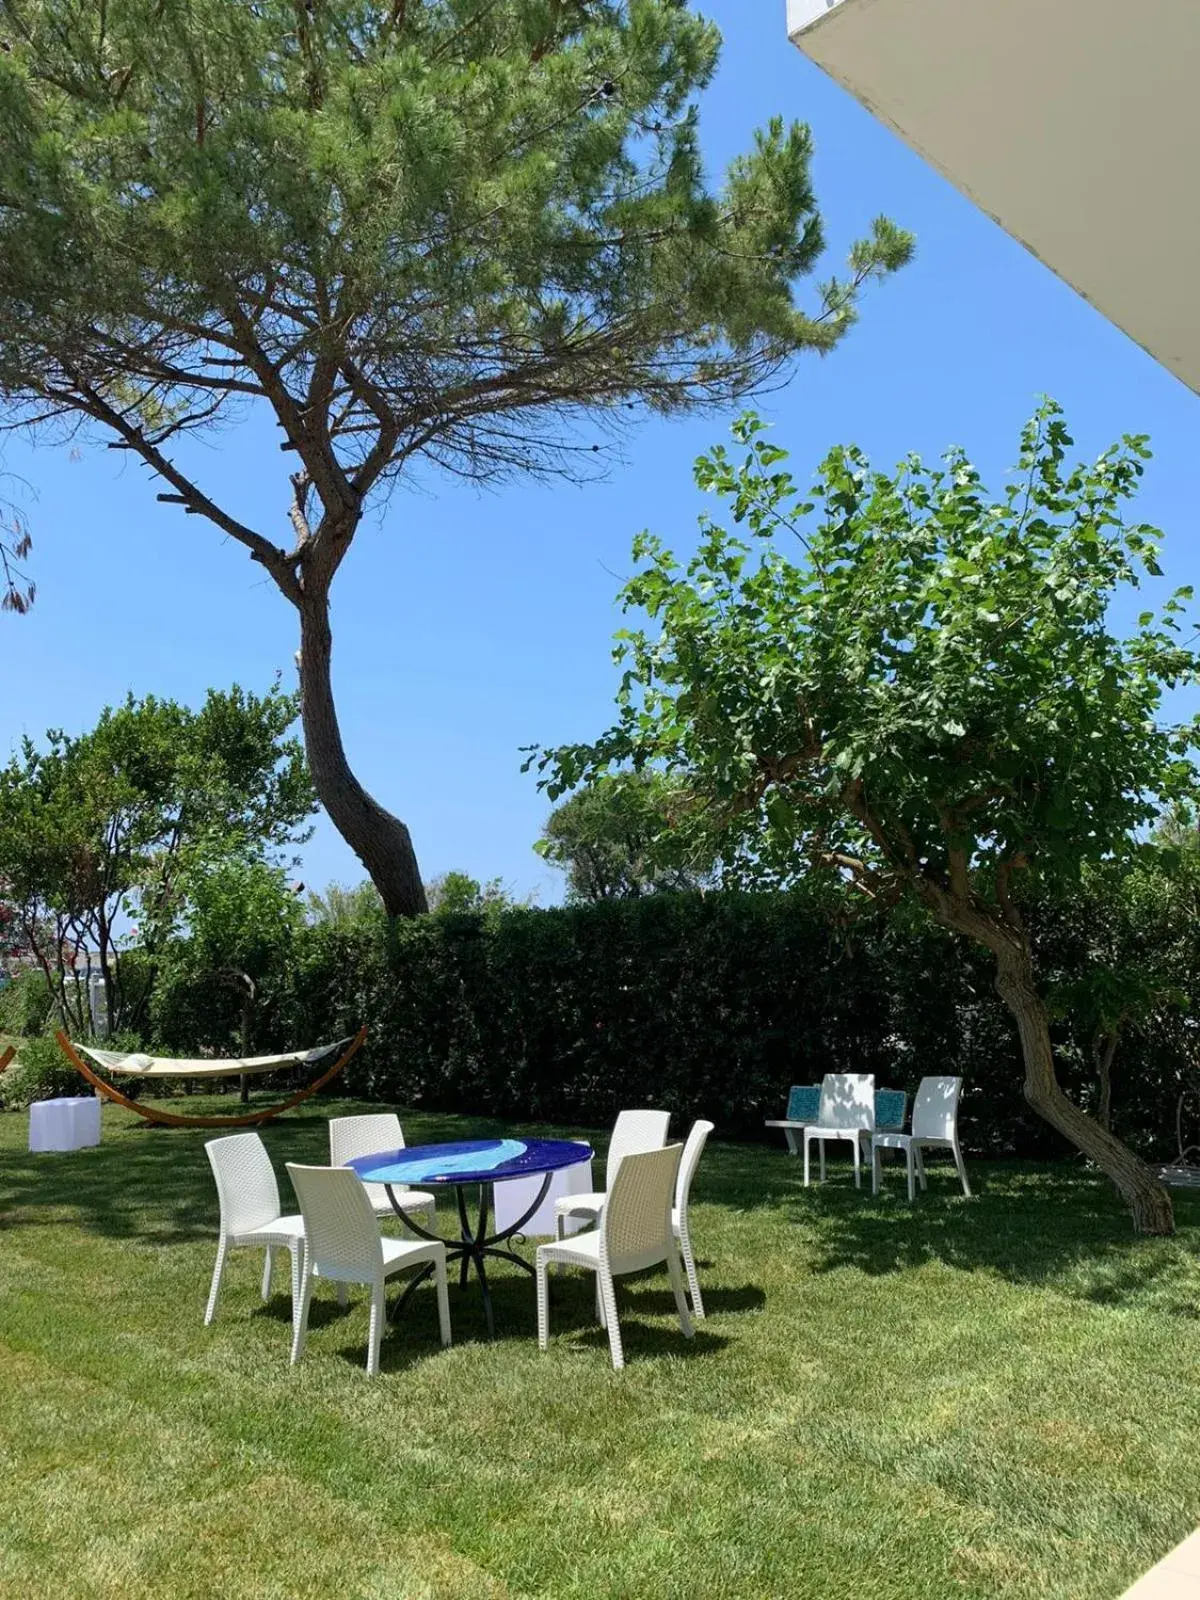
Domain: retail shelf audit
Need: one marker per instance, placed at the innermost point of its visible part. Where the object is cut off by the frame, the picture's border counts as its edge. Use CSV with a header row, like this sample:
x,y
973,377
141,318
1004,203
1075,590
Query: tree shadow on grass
x,y
1056,1225
407,1340
1053,1224
718,1301
413,1336
639,1340
322,1311
144,1183
156,1194
572,1314
154,1183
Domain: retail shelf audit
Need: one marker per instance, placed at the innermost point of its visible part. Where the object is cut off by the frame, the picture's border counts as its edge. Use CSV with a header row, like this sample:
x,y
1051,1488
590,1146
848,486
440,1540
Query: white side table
x,y
66,1124
516,1195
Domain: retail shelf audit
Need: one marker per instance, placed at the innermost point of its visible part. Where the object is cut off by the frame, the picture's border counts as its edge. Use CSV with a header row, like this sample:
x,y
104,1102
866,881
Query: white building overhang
x,y
1075,124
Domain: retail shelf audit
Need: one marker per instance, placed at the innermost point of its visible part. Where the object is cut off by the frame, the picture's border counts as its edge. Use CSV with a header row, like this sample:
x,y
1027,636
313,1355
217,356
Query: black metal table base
x,y
474,1244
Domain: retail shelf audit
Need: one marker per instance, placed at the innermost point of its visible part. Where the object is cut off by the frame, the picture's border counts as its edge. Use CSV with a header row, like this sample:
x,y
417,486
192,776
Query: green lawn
x,y
996,1397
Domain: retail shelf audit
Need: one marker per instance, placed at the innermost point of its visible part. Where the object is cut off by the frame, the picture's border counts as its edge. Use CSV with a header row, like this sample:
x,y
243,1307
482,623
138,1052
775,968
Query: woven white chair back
x,y
935,1110
369,1135
693,1149
847,1100
246,1186
634,1132
339,1224
635,1227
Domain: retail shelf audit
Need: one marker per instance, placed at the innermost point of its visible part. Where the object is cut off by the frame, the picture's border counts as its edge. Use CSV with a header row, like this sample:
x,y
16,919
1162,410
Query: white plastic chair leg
x,y
857,1162
962,1170
610,1316
297,1254
210,1310
807,1149
681,1306
543,1305
689,1265
375,1330
343,1295
268,1266
821,1148
876,1168
601,1317
443,1300
920,1166
300,1321
910,1158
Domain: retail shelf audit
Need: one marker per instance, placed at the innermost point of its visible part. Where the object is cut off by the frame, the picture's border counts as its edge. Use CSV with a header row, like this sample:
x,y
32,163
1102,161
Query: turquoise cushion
x,y
890,1108
804,1102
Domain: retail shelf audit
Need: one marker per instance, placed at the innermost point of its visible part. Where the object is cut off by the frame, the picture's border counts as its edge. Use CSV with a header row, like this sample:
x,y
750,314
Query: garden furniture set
x,y
846,1106
641,1219
485,1166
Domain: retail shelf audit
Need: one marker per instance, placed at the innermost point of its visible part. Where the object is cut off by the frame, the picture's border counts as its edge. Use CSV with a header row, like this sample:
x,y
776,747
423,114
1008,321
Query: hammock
x,y
143,1067
140,1066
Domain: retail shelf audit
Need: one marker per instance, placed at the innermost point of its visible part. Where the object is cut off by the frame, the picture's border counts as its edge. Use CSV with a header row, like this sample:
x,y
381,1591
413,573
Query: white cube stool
x,y
515,1196
66,1124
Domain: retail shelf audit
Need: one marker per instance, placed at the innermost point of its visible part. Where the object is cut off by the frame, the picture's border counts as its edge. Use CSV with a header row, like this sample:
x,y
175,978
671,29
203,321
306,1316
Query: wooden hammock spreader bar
x,y
6,1056
245,1119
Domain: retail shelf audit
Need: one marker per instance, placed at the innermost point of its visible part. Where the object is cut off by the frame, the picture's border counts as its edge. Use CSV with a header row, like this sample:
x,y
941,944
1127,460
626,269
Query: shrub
x,y
40,1072
25,1004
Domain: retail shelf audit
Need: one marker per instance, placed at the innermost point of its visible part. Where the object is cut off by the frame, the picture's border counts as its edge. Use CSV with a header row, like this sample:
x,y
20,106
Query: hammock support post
x,y
171,1119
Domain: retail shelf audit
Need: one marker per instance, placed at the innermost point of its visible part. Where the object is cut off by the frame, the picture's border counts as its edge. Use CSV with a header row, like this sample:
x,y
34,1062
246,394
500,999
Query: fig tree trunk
x,y
380,841
1004,935
1145,1196
1104,1049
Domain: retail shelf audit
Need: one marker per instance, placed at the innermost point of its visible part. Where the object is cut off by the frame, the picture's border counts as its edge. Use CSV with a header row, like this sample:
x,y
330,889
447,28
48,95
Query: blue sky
x,y
467,625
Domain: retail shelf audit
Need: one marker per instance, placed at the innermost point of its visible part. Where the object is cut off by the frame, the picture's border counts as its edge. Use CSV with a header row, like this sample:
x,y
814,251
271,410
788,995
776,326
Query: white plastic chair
x,y
847,1112
372,1135
633,1133
344,1244
635,1232
934,1127
250,1211
693,1149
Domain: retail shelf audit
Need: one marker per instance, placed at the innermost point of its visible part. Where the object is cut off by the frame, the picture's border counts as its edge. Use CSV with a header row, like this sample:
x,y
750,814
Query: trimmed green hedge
x,y
712,1005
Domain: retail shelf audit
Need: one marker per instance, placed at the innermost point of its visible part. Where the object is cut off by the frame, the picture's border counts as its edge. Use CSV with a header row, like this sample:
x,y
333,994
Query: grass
x,y
994,1397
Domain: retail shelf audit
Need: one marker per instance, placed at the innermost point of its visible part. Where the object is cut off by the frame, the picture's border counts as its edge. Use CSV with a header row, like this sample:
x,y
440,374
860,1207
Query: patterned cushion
x,y
890,1108
804,1102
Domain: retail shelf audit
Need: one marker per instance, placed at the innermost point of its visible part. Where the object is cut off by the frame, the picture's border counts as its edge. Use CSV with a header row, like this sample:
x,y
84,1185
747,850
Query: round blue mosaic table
x,y
460,1166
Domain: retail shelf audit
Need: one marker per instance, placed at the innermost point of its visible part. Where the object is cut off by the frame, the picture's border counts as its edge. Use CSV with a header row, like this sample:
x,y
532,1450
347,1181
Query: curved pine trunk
x,y
1145,1196
380,841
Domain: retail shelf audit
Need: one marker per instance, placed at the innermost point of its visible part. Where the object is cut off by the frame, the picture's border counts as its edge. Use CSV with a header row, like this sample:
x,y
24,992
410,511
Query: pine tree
x,y
417,231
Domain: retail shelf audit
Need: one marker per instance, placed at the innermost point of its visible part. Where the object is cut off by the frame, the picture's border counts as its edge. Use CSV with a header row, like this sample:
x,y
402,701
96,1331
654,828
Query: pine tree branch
x,y
83,397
